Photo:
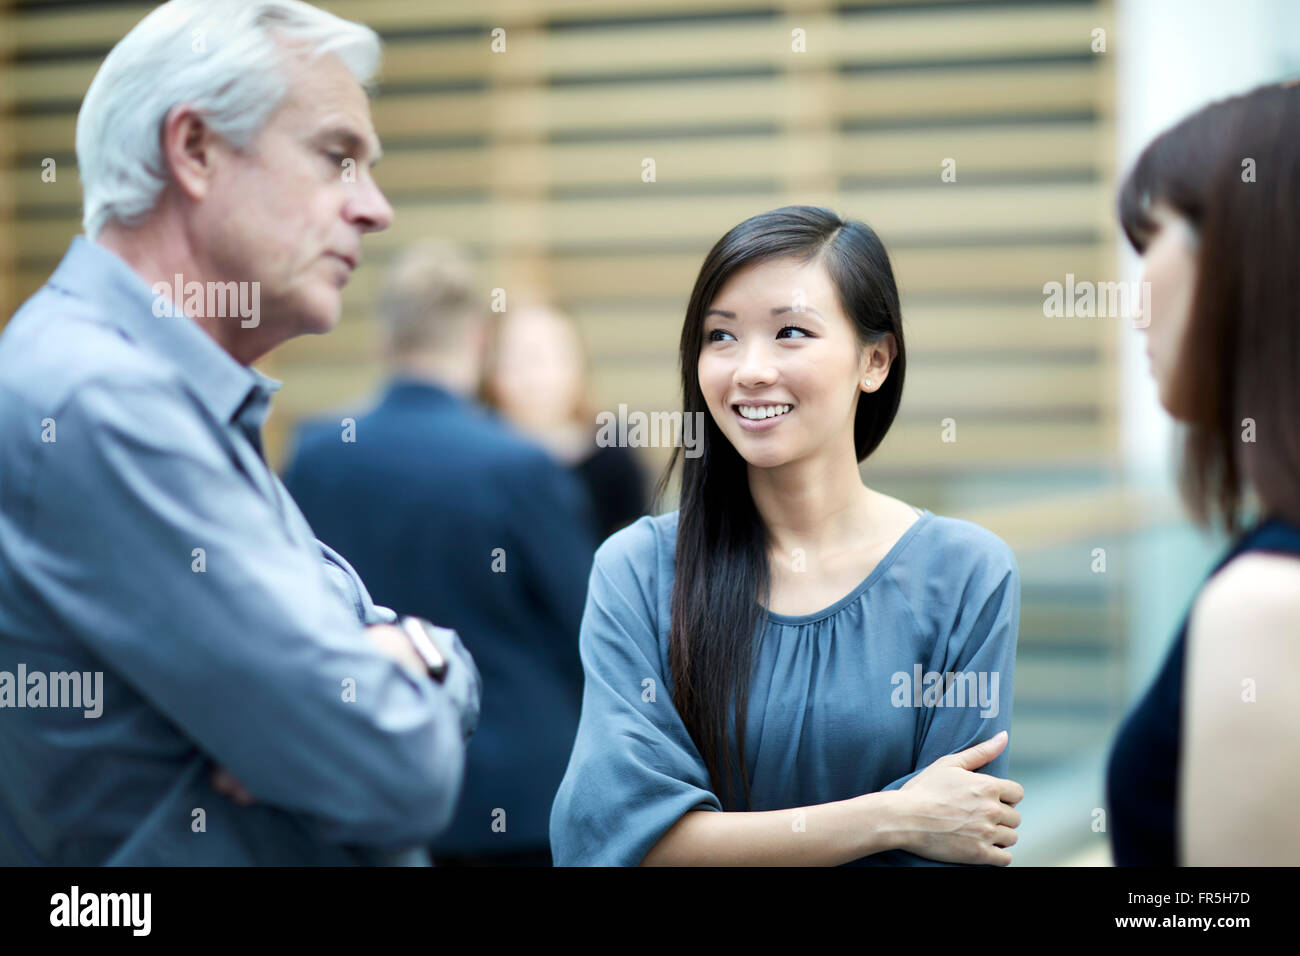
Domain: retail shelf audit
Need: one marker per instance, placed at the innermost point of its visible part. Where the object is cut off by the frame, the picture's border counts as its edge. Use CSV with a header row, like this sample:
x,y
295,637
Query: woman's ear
x,y
877,357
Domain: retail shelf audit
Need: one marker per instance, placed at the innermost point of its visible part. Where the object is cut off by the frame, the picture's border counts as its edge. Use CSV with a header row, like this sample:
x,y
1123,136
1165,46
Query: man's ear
x,y
189,150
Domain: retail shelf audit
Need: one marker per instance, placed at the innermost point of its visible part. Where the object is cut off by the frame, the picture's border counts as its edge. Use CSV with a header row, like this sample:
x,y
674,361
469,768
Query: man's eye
x,y
802,332
337,158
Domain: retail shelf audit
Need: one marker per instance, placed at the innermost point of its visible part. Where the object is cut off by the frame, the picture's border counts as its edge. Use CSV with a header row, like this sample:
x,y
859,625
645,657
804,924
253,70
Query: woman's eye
x,y
802,332
710,337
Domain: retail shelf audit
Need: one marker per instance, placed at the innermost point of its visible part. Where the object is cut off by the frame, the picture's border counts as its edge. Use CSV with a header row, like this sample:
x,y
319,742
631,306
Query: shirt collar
x,y
89,271
405,388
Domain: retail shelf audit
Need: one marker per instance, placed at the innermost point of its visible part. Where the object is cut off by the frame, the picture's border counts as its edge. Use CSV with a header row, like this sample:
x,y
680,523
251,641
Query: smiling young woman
x,y
782,601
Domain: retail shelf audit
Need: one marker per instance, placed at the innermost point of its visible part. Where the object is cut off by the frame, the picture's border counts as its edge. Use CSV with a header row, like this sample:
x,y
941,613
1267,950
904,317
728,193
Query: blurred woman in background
x,y
536,378
1205,770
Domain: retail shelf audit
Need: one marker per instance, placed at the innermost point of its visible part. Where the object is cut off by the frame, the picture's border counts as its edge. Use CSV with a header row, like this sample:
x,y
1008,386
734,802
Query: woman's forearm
x,y
825,834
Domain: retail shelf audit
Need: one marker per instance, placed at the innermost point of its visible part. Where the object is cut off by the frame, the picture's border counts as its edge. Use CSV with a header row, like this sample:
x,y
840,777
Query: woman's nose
x,y
751,374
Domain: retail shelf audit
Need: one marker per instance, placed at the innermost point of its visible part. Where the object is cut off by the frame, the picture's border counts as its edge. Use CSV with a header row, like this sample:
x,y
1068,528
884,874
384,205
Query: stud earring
x,y
866,382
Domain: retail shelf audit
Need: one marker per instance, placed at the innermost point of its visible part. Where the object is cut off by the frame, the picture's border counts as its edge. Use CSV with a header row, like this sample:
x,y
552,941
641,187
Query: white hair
x,y
226,58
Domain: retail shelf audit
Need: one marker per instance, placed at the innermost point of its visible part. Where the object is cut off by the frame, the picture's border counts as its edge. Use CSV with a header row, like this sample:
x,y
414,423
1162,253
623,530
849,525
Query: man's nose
x,y
369,207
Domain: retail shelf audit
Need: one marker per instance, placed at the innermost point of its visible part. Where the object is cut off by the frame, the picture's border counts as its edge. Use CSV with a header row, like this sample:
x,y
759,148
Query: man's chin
x,y
321,320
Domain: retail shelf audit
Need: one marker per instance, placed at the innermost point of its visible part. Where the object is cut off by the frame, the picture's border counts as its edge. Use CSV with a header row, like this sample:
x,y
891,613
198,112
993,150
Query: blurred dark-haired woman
x,y
536,377
1206,768
845,655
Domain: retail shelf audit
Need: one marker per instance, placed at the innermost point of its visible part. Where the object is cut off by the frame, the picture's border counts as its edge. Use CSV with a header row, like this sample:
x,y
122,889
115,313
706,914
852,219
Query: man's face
x,y
289,211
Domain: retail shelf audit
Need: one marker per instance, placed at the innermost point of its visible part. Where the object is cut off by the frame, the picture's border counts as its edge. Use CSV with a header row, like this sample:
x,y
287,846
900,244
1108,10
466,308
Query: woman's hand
x,y
223,781
954,815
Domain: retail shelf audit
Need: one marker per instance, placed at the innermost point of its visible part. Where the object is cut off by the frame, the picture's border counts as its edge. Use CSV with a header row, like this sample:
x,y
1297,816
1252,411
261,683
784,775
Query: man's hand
x,y
392,640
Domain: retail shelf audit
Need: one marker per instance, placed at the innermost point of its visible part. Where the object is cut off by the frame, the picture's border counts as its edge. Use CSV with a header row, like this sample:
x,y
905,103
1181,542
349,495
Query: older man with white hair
x,y
255,705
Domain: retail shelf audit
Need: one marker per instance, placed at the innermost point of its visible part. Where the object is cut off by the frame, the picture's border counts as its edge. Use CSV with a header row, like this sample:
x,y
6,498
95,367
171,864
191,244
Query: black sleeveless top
x,y
1142,778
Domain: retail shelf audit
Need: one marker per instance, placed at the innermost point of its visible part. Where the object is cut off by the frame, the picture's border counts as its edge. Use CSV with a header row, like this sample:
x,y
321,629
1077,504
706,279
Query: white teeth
x,y
757,413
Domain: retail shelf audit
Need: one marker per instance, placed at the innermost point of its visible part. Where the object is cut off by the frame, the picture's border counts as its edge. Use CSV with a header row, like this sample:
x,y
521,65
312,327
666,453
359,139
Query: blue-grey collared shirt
x,y
146,545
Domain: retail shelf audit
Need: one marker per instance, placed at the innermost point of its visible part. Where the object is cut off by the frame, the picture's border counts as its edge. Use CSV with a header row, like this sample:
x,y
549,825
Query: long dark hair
x,y
721,552
1240,354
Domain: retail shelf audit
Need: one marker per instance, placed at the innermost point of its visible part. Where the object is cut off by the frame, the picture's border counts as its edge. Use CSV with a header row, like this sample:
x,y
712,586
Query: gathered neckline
x,y
881,566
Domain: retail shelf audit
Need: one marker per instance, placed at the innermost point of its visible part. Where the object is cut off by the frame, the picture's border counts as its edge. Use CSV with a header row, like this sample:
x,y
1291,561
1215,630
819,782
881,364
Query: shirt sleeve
x,y
981,628
149,547
353,590
634,769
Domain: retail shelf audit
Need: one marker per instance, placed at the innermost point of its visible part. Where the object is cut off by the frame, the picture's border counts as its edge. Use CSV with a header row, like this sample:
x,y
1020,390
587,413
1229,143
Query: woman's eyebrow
x,y
779,310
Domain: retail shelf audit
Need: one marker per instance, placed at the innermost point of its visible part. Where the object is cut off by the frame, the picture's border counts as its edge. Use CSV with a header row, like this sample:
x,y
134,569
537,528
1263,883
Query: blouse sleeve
x,y
634,769
982,627
981,624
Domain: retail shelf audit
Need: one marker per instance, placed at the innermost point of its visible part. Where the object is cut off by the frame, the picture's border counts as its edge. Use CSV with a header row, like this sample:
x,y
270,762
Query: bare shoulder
x,y
1255,594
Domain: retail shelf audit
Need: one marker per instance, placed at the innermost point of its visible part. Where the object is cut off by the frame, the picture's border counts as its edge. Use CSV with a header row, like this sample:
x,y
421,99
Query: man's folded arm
x,y
152,548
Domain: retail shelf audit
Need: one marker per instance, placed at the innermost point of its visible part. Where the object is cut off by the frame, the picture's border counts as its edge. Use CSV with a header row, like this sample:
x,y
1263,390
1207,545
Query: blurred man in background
x,y
456,517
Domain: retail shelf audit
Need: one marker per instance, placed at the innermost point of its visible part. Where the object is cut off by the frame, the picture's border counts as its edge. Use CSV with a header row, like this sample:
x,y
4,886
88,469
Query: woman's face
x,y
1169,266
537,378
776,343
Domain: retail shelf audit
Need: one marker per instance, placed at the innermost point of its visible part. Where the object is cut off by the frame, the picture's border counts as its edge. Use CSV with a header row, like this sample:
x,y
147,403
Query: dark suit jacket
x,y
446,512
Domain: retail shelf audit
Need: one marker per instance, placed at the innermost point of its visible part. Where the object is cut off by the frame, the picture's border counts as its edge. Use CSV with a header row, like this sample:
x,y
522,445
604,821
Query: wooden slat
x,y
721,160
36,30
1059,148
62,195
1044,621
1089,515
47,30
910,95
398,14
914,96
919,271
976,212
47,135
903,215
885,38
893,38
8,192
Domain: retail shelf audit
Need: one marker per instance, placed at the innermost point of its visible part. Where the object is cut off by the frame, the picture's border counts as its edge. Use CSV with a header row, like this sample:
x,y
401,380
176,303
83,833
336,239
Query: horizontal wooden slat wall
x,y
532,158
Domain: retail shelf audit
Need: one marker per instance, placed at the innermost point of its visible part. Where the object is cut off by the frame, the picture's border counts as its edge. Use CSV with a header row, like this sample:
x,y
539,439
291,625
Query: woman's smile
x,y
761,418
